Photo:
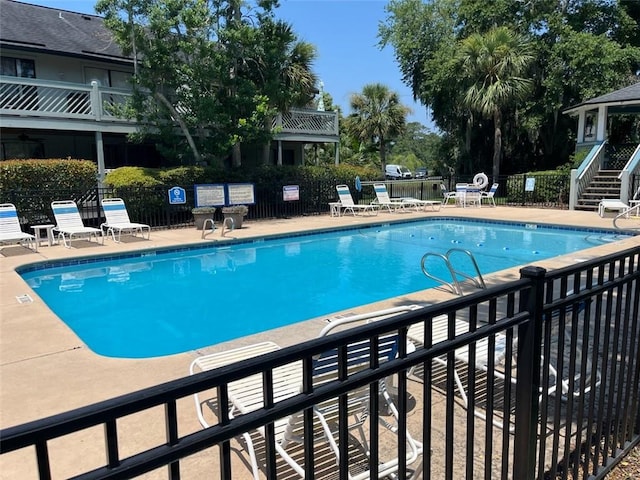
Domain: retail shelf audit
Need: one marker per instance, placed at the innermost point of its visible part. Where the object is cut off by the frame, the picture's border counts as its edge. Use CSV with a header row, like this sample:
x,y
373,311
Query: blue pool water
x,y
159,303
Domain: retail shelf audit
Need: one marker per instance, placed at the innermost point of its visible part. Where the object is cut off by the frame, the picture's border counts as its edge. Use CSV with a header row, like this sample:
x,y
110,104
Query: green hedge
x,y
50,174
52,179
263,176
551,188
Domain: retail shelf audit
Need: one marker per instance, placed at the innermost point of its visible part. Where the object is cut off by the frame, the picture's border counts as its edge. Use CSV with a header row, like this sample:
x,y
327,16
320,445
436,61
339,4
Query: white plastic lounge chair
x,y
634,204
220,359
69,223
611,204
10,231
246,395
383,199
490,195
117,220
557,381
347,203
439,332
433,204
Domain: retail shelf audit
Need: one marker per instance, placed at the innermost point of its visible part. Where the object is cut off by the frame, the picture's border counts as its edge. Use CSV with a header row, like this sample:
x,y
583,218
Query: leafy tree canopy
x,y
581,48
209,72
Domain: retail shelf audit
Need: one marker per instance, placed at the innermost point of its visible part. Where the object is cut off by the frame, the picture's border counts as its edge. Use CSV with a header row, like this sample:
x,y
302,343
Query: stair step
x,y
604,185
604,192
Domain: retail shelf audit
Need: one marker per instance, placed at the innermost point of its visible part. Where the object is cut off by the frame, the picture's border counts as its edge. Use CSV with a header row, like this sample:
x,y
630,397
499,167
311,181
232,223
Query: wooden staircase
x,y
605,184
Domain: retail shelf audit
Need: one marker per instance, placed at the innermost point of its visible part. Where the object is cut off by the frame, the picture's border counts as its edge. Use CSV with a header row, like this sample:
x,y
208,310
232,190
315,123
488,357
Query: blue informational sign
x,y
177,195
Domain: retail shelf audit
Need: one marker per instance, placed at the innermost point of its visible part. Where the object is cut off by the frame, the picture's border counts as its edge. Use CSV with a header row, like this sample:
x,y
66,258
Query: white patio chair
x,y
490,195
447,195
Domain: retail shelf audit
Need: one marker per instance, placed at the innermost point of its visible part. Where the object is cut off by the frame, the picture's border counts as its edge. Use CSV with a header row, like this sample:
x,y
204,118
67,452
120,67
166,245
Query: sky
x,y
344,33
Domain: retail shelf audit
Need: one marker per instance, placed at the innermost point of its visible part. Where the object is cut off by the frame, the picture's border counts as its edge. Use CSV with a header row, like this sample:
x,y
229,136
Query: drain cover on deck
x,y
24,298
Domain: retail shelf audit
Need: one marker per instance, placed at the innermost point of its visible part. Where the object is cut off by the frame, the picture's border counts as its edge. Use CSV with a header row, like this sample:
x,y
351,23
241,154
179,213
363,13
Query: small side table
x,y
49,229
335,208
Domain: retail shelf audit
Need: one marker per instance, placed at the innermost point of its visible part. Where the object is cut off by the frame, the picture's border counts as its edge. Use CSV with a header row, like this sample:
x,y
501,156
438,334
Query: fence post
x,y
528,375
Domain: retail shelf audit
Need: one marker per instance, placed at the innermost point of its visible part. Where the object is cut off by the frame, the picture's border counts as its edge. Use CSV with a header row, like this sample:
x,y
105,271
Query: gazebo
x,y
610,160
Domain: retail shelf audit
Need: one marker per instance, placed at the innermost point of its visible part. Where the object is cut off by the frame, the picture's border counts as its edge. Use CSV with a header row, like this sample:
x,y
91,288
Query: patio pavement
x,y
46,369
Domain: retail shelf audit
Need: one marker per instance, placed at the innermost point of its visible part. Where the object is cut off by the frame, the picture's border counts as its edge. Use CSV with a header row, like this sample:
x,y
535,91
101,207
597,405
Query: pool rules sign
x,y
290,193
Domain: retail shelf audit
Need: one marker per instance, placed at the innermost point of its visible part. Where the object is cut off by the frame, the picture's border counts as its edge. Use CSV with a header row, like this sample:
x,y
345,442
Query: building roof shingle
x,y
46,29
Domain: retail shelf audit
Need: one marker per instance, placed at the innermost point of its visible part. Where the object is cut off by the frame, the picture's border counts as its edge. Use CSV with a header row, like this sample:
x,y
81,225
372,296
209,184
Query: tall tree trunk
x,y
236,155
266,148
383,156
234,8
183,126
497,144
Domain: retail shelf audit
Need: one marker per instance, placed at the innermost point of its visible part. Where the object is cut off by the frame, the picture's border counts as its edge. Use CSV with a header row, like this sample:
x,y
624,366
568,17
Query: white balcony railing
x,y
26,97
46,98
307,121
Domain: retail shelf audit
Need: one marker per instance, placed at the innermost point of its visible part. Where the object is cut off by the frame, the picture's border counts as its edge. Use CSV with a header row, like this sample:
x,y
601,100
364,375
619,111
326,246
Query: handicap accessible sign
x,y
177,195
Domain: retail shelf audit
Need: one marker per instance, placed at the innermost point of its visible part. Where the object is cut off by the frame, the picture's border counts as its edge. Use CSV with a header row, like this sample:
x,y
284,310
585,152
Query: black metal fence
x,y
536,378
150,205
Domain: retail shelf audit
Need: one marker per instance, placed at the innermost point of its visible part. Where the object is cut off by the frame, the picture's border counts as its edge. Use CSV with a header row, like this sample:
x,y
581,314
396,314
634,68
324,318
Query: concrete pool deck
x,y
46,369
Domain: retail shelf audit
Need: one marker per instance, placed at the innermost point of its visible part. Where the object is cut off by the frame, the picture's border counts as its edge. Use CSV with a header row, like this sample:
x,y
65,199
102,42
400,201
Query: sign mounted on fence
x,y
177,196
530,184
290,192
240,194
209,195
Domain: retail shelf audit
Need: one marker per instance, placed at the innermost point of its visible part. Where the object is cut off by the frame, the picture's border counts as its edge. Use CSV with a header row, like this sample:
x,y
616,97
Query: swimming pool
x,y
174,300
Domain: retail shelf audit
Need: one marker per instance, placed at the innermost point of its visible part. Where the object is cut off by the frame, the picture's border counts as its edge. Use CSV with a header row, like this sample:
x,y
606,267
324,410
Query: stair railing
x,y
632,167
582,176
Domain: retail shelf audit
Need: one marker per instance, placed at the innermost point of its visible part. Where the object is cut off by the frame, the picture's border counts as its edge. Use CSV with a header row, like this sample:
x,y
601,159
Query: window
x,y
107,78
17,67
15,96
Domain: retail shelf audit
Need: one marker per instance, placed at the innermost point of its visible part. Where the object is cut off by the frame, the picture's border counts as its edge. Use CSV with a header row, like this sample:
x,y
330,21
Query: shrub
x,y
133,177
51,174
203,210
238,209
551,187
31,185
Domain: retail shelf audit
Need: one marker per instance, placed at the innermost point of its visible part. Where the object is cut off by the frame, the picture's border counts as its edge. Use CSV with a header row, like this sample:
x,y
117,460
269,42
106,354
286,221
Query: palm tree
x,y
284,71
493,65
378,117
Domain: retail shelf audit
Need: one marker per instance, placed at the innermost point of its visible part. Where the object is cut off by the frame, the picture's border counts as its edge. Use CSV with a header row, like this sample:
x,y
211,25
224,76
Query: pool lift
x,y
455,285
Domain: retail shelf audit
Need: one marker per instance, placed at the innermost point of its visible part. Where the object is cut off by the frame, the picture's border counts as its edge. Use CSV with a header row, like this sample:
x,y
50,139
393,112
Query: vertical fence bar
x,y
171,421
42,457
225,447
111,439
528,375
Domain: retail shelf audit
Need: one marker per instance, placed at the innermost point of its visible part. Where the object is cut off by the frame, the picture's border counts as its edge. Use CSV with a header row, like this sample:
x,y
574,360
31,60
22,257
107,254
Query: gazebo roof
x,y
625,100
